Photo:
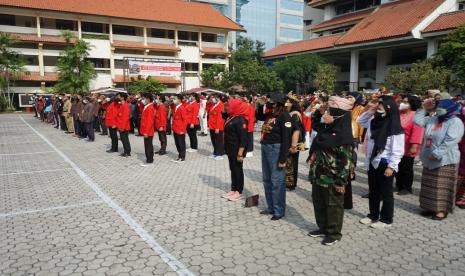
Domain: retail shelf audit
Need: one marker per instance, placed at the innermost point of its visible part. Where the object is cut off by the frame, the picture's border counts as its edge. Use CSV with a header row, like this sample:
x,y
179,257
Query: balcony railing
x,y
131,38
160,40
17,29
212,44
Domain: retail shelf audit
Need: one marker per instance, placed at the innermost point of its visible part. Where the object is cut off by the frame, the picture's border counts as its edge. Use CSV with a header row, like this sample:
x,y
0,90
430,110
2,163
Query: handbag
x,y
251,201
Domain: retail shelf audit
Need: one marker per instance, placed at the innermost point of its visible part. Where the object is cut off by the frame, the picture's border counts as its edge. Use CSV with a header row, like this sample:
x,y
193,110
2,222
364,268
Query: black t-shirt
x,y
278,131
297,125
235,134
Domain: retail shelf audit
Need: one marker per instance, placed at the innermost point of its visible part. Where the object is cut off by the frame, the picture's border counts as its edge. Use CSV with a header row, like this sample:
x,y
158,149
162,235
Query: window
x,y
291,19
356,5
191,36
7,19
291,33
292,5
124,30
50,61
461,6
64,24
214,56
100,62
161,33
31,60
191,66
365,4
345,8
216,38
93,27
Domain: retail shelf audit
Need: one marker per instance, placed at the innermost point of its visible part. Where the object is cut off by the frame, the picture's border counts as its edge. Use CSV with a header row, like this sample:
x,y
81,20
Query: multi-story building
x,y
366,37
271,21
195,33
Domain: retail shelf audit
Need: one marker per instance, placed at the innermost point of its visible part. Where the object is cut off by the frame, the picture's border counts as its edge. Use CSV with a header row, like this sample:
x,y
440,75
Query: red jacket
x,y
112,112
122,117
140,105
147,120
193,113
160,117
215,120
179,124
307,122
251,118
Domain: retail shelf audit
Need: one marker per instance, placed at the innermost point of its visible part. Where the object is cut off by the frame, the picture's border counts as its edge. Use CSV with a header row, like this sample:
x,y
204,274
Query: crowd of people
x,y
391,131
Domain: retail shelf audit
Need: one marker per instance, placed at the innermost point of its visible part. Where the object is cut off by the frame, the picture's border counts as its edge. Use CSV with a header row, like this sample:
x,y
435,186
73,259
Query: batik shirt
x,y
331,166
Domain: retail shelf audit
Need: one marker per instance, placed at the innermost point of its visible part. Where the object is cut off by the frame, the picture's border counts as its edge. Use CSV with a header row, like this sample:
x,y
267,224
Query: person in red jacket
x,y
123,124
193,123
251,125
147,126
216,126
179,126
161,121
110,122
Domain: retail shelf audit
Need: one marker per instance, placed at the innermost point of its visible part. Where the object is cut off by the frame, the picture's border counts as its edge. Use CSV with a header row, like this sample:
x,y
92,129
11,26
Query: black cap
x,y
279,98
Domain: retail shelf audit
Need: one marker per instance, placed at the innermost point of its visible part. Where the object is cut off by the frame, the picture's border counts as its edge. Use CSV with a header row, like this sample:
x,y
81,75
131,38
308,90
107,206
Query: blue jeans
x,y
273,180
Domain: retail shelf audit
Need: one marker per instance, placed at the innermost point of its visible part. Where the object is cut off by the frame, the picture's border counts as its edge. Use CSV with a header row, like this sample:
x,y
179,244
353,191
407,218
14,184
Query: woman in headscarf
x,y
292,163
235,142
460,194
330,164
413,140
440,156
385,150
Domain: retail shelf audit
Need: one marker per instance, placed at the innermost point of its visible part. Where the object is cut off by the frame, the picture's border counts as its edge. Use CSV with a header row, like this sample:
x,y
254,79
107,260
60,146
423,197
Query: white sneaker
x,y
249,154
218,158
191,150
366,221
146,164
380,225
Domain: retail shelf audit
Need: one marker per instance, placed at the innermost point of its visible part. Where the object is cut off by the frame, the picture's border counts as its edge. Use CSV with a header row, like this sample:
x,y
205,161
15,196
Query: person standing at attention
x,y
179,126
110,120
192,109
147,127
216,126
123,123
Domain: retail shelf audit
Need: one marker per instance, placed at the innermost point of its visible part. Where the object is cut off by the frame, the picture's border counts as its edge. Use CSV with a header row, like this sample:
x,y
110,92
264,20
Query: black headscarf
x,y
336,134
383,127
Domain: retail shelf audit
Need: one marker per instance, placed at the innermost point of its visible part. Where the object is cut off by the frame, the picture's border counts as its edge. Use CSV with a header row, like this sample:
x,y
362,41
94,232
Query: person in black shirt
x,y
235,142
297,142
276,142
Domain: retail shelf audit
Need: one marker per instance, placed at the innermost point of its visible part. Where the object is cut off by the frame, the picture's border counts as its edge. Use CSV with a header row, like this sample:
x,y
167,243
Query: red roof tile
x,y
391,20
342,20
446,21
169,11
151,46
164,80
42,39
303,46
214,51
35,76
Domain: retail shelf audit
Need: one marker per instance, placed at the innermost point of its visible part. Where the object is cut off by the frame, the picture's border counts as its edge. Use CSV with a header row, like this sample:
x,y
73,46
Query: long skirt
x,y
437,192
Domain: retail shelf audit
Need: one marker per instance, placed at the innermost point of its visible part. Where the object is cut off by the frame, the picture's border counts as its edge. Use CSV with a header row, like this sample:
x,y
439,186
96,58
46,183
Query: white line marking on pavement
x,y
169,259
48,209
42,171
21,143
26,153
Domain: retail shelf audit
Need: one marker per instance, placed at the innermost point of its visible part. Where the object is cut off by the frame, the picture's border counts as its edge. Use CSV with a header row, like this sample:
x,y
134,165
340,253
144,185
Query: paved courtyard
x,y
67,207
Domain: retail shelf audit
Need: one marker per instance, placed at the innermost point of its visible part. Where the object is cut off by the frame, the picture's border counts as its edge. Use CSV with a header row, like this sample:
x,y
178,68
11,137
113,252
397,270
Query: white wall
x,y
189,53
102,80
191,82
99,48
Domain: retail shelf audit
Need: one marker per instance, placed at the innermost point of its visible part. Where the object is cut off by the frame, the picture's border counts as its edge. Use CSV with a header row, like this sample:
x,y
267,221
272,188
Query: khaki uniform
x,y
67,113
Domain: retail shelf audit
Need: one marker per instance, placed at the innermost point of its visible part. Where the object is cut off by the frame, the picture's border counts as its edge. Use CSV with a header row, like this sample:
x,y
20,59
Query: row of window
x,y
292,5
355,5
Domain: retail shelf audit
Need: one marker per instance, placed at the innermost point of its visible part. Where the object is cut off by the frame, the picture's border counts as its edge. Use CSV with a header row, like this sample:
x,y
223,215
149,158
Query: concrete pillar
x,y
200,40
176,43
110,30
38,26
41,59
226,41
381,62
112,63
354,61
79,28
432,48
145,36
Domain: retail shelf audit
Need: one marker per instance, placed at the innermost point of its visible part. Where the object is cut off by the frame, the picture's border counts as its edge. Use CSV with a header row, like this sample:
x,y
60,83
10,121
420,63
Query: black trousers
x,y
218,143
82,129
125,140
348,202
380,186
192,132
132,123
57,118
237,172
148,145
63,123
104,126
404,177
163,141
90,130
249,141
180,141
96,124
114,139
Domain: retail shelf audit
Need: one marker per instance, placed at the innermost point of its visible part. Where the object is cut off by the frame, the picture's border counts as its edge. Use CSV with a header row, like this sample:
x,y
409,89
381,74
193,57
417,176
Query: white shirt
x,y
394,150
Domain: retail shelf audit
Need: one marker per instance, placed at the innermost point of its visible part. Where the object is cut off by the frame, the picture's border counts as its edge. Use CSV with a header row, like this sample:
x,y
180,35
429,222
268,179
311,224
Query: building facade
x,y
364,38
271,21
200,41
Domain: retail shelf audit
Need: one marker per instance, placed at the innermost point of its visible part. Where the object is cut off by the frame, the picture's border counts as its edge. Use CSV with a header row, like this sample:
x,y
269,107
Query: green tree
x,y
150,85
11,66
255,78
419,78
451,54
213,77
297,70
74,70
247,50
325,77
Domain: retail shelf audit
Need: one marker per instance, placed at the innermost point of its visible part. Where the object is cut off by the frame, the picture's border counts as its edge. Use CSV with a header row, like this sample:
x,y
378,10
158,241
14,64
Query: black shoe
x,y
426,213
328,241
161,152
57,127
435,217
265,212
111,151
125,154
316,234
365,195
403,192
276,217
